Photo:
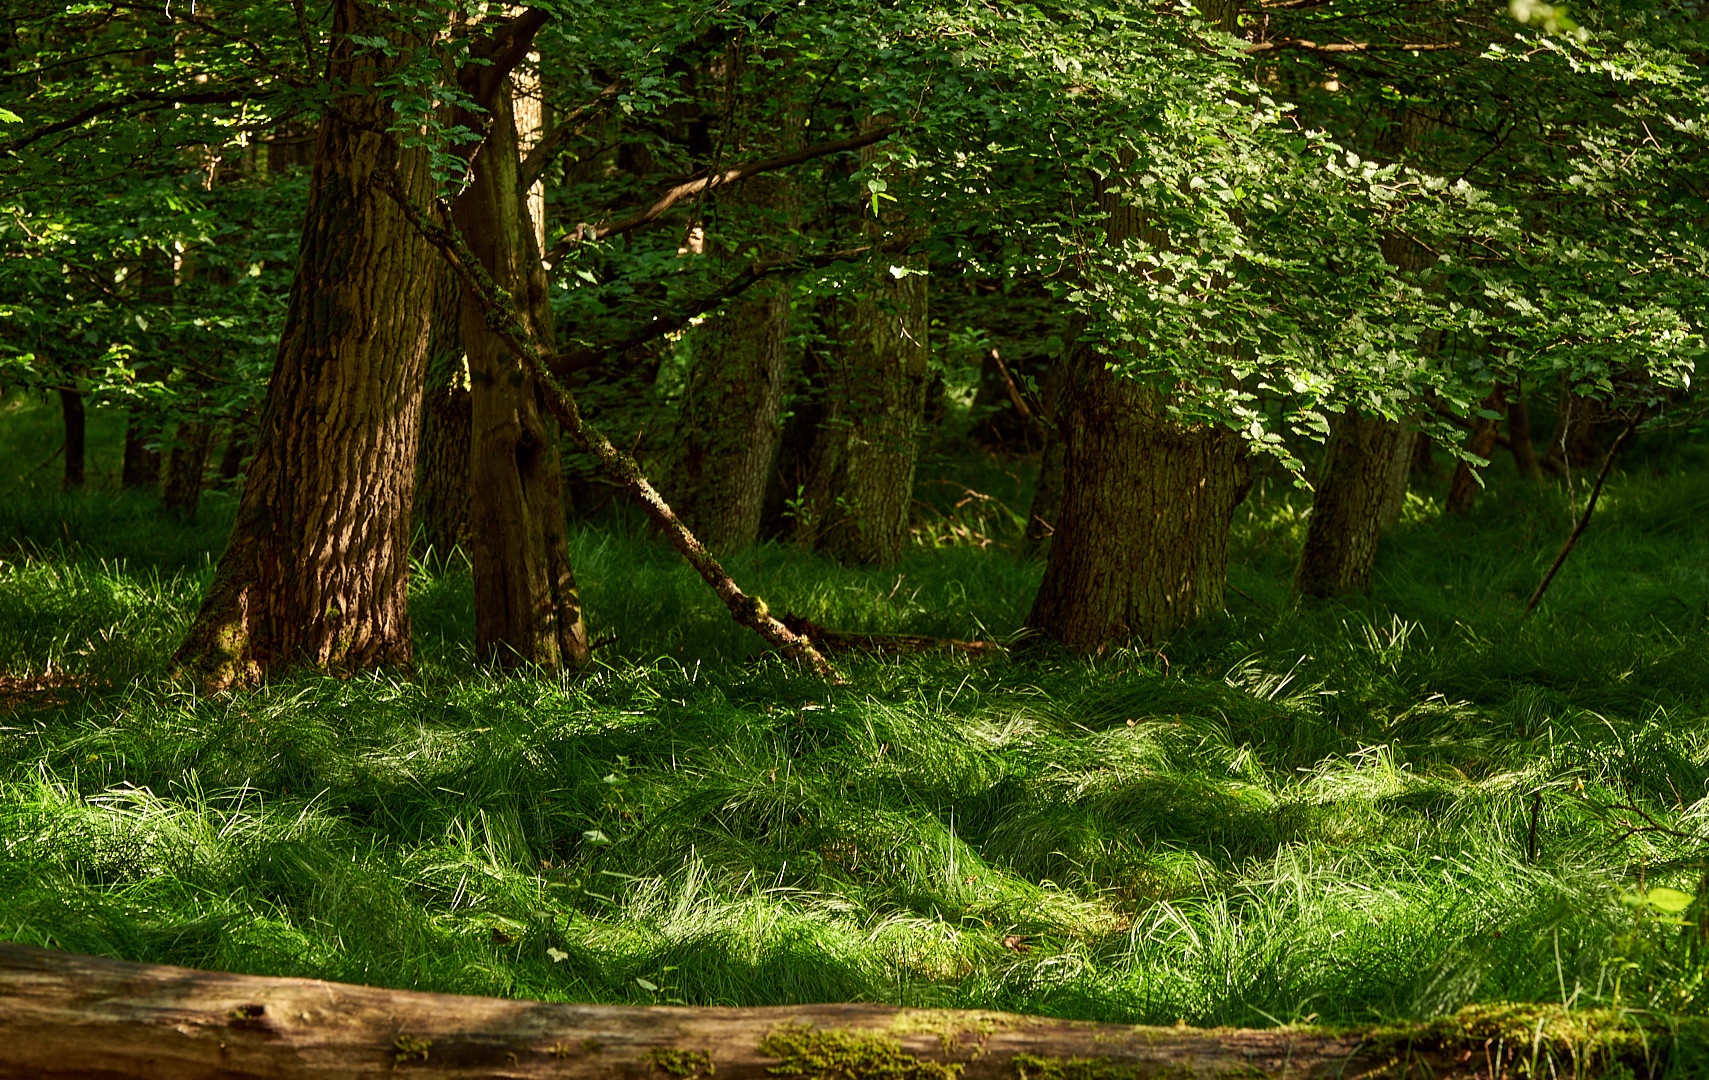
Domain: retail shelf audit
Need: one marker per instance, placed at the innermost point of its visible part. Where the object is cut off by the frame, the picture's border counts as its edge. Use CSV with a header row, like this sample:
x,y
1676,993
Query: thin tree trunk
x,y
71,411
317,567
1047,493
141,468
442,466
527,606
237,447
1356,491
1519,436
186,466
64,1016
1463,488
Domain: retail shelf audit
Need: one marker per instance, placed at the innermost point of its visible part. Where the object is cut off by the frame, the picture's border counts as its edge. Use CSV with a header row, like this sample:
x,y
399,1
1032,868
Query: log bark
x,y
64,1015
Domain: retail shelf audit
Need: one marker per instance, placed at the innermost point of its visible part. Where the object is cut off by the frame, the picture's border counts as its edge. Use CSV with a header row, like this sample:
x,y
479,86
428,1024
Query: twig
x,y
1584,519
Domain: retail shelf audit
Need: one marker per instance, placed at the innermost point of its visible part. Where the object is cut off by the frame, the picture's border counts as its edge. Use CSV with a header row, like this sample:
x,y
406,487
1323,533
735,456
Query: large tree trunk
x,y
442,466
1358,496
1141,542
63,1016
527,607
186,466
317,565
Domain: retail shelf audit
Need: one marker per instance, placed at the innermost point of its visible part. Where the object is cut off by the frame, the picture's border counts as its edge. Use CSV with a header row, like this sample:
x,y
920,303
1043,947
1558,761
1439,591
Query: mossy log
x,y
64,1015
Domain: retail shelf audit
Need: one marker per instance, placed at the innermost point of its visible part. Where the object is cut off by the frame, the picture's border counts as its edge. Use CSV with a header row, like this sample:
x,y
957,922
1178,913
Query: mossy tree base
x,y
64,1015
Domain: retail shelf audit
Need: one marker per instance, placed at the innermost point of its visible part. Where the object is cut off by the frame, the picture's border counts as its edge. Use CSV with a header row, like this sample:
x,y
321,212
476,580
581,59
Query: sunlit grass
x,y
1384,807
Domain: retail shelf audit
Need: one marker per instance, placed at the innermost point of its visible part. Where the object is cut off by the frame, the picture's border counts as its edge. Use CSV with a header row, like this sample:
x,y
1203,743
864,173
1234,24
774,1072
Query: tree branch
x,y
138,97
1348,46
721,179
1584,518
549,147
571,361
501,315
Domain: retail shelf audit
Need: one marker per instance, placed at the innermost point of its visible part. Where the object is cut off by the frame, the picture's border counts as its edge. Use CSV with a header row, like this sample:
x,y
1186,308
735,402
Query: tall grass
x,y
1385,807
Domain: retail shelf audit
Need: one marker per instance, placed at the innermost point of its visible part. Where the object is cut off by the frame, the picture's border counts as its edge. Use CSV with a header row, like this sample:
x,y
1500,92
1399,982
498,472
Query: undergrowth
x,y
1381,808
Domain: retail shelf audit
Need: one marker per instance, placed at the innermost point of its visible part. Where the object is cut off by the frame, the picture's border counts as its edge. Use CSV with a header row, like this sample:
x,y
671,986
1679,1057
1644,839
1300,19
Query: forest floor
x,y
1381,808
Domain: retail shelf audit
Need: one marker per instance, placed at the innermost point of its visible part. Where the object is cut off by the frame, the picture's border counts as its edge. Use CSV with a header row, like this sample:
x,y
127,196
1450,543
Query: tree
x,y
317,566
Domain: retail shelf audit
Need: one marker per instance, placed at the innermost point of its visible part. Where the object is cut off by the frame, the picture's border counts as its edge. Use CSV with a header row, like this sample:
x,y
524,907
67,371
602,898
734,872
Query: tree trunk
x,y
729,424
1141,543
141,467
442,466
64,1016
1519,436
186,465
1356,491
1463,488
527,607
860,484
237,447
1574,443
71,410
317,565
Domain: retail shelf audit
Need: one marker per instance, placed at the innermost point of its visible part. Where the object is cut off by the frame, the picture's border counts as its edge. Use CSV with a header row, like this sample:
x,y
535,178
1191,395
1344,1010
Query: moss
x,y
820,1054
410,1048
682,1064
1532,1040
1032,1067
951,1026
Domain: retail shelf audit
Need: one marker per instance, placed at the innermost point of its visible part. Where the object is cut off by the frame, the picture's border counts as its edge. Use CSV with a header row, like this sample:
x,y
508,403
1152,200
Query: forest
x,y
1178,514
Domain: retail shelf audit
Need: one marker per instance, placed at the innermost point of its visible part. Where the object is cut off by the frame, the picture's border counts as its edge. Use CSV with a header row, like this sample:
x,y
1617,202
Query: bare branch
x,y
722,179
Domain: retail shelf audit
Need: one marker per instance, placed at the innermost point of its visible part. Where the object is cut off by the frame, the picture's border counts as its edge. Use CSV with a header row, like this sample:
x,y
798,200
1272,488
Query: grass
x,y
1378,809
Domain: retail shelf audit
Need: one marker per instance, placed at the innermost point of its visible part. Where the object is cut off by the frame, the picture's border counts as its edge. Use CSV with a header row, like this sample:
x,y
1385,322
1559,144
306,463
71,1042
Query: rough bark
x,y
1141,542
71,411
1355,493
527,607
186,465
729,425
63,1016
316,569
1463,488
859,484
442,466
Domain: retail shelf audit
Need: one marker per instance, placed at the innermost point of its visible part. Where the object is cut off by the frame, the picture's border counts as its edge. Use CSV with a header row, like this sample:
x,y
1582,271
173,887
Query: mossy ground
x,y
1374,810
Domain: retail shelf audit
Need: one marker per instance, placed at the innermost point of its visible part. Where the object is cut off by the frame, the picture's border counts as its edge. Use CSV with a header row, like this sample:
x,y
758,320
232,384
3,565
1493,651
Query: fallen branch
x,y
836,641
506,324
64,1015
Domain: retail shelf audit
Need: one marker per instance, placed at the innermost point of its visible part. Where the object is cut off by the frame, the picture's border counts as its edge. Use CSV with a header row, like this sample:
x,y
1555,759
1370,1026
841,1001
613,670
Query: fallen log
x,y
64,1015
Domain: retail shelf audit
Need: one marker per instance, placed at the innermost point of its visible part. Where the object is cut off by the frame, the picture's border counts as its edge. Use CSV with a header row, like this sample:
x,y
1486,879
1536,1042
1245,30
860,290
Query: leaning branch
x,y
501,315
64,1015
1584,518
728,176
